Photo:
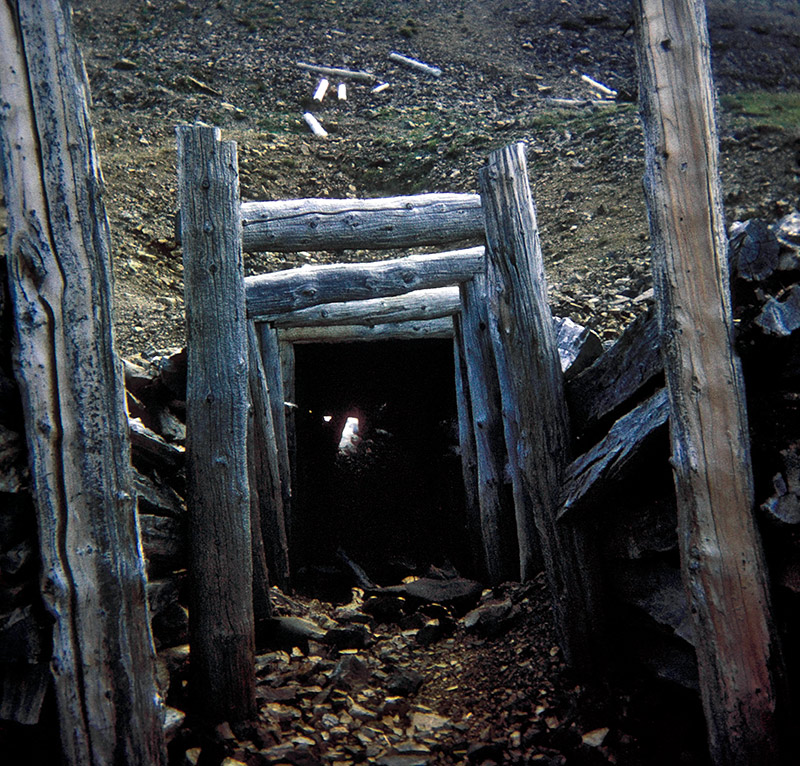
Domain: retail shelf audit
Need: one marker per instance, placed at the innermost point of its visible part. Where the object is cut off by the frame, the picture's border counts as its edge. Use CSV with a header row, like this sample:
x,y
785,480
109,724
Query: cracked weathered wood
x,y
534,408
630,364
288,226
421,304
421,330
607,460
221,589
269,294
265,467
739,659
59,264
475,346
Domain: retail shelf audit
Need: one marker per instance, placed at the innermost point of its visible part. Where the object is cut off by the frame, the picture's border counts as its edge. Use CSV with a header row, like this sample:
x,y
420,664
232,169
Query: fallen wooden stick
x,y
314,124
604,89
341,92
344,74
414,64
580,102
321,90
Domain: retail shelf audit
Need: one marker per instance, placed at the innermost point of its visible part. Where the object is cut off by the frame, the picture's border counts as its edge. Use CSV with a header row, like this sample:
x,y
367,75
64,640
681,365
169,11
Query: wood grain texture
x,y
534,408
722,560
425,328
221,588
288,226
487,426
270,294
59,261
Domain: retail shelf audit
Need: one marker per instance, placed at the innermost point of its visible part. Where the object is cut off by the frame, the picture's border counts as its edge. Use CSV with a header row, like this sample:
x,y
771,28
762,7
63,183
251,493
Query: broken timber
x,y
288,226
723,566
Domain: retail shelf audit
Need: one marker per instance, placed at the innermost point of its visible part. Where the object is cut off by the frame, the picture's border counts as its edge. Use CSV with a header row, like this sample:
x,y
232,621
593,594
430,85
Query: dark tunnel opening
x,y
391,497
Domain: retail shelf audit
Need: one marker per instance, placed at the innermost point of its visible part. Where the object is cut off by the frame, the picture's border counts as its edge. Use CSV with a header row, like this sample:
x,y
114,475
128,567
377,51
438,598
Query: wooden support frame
x,y
221,621
739,658
73,397
534,407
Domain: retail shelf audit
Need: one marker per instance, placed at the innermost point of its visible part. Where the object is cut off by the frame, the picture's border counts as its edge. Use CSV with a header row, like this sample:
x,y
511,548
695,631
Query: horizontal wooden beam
x,y
292,289
288,226
422,330
434,303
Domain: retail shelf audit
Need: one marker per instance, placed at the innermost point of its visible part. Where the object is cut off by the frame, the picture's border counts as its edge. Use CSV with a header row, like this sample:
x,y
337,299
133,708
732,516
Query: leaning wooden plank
x,y
269,349
221,589
534,408
630,364
269,294
434,303
288,226
73,397
344,74
606,461
287,373
266,466
496,533
739,658
420,330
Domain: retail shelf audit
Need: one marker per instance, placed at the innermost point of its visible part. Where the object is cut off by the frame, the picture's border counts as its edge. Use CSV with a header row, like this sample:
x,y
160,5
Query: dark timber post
x,y
534,408
221,589
487,422
722,559
266,467
59,265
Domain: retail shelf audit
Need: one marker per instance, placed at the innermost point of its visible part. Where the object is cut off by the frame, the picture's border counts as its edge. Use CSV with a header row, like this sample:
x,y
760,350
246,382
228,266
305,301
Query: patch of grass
x,y
778,110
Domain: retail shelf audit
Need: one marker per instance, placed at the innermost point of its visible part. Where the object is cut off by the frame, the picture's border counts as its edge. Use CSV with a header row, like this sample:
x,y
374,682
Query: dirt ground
x,y
232,63
154,65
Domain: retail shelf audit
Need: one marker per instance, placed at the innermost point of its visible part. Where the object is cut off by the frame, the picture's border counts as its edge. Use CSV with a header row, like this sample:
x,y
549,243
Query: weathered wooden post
x,y
534,408
221,589
266,467
722,560
487,421
59,263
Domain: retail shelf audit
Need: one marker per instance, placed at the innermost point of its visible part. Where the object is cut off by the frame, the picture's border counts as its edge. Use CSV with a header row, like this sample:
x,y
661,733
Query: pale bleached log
x,y
399,58
421,304
315,125
421,330
604,89
322,89
221,621
73,400
341,91
269,294
742,680
579,102
356,224
336,72
380,88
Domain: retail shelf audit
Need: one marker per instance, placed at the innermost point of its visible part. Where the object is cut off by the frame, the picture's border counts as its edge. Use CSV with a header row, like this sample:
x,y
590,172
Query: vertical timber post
x,y
59,265
487,423
221,621
534,408
266,467
467,448
271,362
722,561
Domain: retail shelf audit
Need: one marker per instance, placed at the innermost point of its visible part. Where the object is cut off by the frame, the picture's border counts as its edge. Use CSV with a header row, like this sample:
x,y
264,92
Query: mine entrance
x,y
378,470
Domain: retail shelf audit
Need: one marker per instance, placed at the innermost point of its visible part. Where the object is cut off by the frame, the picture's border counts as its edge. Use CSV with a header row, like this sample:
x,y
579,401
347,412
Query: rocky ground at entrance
x,y
421,685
